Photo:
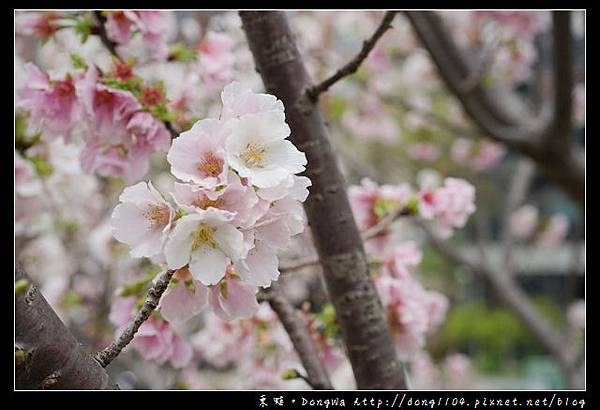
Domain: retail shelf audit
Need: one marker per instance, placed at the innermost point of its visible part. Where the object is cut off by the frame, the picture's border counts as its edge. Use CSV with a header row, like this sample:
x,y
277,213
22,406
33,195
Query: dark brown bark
x,y
47,355
505,117
360,314
297,329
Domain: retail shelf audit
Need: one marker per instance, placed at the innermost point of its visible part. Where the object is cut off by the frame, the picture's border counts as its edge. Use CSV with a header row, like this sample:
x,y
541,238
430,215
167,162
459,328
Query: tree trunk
x,y
360,314
47,355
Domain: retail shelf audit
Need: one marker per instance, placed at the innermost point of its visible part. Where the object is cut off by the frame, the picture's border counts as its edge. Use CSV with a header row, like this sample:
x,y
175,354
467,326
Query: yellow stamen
x,y
204,236
253,155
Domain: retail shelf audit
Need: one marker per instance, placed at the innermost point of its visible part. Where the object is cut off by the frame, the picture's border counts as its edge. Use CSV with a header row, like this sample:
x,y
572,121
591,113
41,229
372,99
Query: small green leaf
x,y
290,374
20,286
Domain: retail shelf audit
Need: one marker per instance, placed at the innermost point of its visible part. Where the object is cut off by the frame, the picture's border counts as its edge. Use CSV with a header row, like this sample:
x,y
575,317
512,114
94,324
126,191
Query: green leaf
x,y
20,286
42,167
179,52
290,374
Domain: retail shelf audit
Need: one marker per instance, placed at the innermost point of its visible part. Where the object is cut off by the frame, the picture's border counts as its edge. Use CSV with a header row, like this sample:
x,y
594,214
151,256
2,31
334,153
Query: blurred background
x,y
393,121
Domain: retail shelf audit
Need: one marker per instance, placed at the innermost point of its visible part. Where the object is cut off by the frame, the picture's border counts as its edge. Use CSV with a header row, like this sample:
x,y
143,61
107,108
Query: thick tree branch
x,y
359,311
511,294
47,355
560,132
501,115
354,64
297,329
155,292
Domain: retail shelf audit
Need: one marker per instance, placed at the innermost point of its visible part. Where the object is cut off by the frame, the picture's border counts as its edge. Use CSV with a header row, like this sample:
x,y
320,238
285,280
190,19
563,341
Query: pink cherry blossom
x,y
451,204
405,258
142,220
119,25
197,155
424,151
40,24
53,105
208,242
113,160
556,230
412,311
236,198
106,109
523,222
240,100
233,299
184,298
147,134
153,25
155,339
216,59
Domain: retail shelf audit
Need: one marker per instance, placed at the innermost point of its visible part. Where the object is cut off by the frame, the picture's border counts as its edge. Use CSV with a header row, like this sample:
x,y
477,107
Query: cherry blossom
x,y
184,298
257,150
142,220
208,242
53,105
198,155
523,222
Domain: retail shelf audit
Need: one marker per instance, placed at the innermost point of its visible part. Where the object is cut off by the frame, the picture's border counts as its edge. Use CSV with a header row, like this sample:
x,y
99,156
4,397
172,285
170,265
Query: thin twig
x,y
353,64
108,43
107,355
298,332
111,46
366,235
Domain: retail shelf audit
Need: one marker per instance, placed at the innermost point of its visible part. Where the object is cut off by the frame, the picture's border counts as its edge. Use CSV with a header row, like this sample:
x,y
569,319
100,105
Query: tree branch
x,y
47,355
499,113
366,235
354,64
511,294
560,131
110,45
155,292
298,331
362,320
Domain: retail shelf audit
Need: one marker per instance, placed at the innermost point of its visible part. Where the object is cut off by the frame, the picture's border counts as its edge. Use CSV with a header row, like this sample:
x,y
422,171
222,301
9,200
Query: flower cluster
x,y
238,205
258,347
479,157
117,125
525,222
448,205
153,26
412,311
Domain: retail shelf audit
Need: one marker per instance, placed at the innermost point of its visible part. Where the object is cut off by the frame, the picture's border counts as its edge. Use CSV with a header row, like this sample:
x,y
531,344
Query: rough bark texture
x,y
360,314
47,355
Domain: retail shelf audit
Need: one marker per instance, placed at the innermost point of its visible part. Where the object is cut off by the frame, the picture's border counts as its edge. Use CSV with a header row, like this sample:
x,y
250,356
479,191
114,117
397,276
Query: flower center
x,y
253,155
204,236
210,165
157,215
65,88
205,203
